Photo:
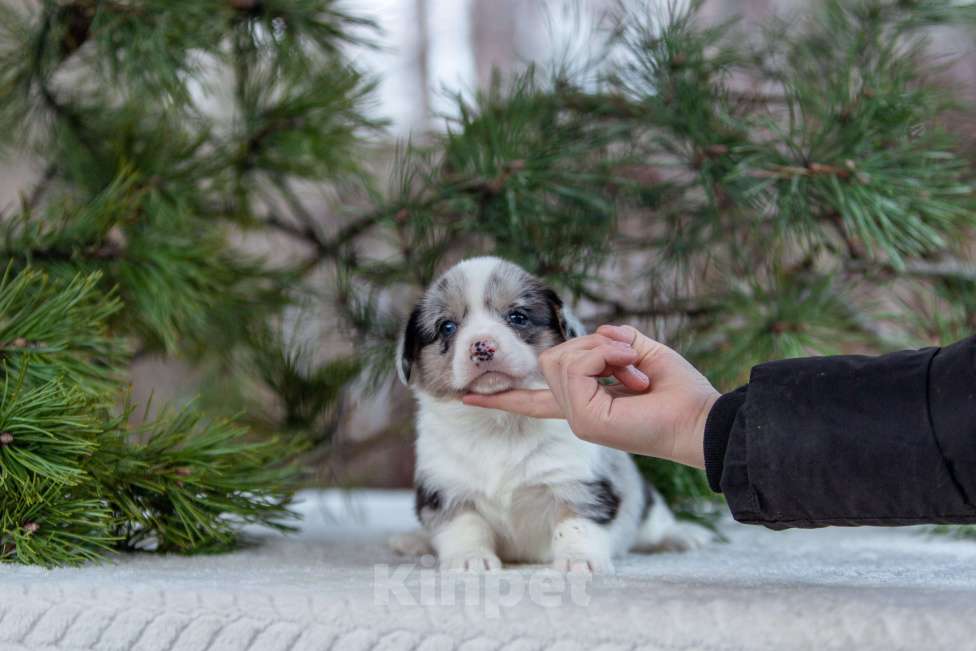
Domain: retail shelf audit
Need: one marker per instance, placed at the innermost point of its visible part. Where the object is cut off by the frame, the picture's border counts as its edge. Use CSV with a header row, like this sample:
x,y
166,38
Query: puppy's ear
x,y
572,325
566,322
408,347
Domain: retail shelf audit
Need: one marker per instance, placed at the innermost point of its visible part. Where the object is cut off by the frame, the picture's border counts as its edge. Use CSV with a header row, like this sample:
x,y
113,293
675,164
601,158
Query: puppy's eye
x,y
517,318
447,328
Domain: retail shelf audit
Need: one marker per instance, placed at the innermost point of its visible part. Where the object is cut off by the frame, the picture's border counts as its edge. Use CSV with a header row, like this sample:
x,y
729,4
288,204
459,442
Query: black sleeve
x,y
850,440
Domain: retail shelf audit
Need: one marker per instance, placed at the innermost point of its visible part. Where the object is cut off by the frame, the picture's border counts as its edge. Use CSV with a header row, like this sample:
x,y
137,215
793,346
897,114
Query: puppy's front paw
x,y
478,563
579,565
581,546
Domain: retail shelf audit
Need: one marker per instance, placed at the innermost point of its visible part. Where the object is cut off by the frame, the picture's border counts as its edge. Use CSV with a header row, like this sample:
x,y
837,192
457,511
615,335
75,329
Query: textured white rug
x,y
336,586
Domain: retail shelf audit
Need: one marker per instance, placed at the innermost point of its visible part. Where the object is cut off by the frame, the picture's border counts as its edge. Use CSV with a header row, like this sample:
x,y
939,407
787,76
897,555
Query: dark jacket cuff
x,y
952,404
718,426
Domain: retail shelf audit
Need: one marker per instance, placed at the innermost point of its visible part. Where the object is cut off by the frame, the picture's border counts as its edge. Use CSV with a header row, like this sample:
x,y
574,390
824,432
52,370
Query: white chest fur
x,y
515,471
492,452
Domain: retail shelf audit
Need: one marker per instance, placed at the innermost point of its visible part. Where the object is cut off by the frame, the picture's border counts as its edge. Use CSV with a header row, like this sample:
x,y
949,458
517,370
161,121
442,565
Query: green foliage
x,y
682,487
51,510
75,481
961,532
58,528
305,394
855,83
191,484
534,177
51,332
308,129
784,316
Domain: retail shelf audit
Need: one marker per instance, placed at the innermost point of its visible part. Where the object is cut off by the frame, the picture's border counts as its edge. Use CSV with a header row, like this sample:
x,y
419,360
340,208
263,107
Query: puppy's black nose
x,y
483,350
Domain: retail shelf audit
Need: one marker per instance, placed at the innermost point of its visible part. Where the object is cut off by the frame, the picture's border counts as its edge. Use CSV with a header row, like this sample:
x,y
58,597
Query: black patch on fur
x,y
414,339
425,498
543,309
604,502
648,500
556,321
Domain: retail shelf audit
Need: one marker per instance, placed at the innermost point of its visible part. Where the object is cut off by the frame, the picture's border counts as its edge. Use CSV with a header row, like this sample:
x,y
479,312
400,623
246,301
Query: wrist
x,y
692,452
718,429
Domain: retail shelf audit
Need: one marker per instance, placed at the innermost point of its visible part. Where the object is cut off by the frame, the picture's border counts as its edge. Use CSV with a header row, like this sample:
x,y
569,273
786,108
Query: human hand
x,y
658,408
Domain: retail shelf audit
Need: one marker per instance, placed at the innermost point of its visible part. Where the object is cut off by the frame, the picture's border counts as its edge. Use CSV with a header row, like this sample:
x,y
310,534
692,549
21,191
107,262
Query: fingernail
x,y
620,344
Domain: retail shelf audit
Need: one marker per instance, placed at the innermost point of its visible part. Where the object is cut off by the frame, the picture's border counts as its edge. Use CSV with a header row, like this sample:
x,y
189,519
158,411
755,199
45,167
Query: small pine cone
x,y
31,527
6,438
183,471
20,342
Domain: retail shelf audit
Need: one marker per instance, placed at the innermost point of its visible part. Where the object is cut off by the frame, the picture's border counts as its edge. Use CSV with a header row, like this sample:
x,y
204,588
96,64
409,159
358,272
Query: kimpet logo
x,y
424,585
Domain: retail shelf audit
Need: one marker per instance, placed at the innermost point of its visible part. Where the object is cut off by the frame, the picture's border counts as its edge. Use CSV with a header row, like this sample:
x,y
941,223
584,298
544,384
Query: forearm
x,y
850,440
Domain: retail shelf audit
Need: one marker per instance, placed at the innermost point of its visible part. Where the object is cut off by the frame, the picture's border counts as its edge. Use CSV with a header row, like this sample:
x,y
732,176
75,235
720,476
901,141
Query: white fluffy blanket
x,y
336,586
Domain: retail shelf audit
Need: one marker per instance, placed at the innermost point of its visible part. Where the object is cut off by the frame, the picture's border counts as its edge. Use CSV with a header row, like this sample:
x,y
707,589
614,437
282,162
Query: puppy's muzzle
x,y
483,350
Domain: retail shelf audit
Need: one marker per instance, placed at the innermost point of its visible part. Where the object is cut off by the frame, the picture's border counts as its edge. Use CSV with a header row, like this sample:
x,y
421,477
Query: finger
x,y
549,358
578,373
654,358
554,368
583,400
535,403
589,341
631,377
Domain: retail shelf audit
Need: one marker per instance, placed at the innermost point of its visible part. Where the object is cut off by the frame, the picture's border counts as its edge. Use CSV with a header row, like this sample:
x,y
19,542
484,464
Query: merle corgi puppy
x,y
493,487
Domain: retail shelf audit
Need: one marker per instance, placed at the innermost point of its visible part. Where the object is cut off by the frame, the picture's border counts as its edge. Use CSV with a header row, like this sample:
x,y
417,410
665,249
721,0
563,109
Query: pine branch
x,y
330,248
948,269
75,482
614,310
75,21
192,484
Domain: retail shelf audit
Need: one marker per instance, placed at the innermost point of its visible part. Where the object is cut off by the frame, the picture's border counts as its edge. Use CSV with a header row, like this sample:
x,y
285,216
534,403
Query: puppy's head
x,y
480,328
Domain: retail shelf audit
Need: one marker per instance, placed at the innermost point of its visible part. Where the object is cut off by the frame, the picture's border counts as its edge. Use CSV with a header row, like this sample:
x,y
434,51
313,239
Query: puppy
x,y
492,486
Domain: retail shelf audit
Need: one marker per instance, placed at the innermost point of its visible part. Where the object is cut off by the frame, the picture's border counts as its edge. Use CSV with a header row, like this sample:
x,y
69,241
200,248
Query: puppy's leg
x,y
466,542
581,545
